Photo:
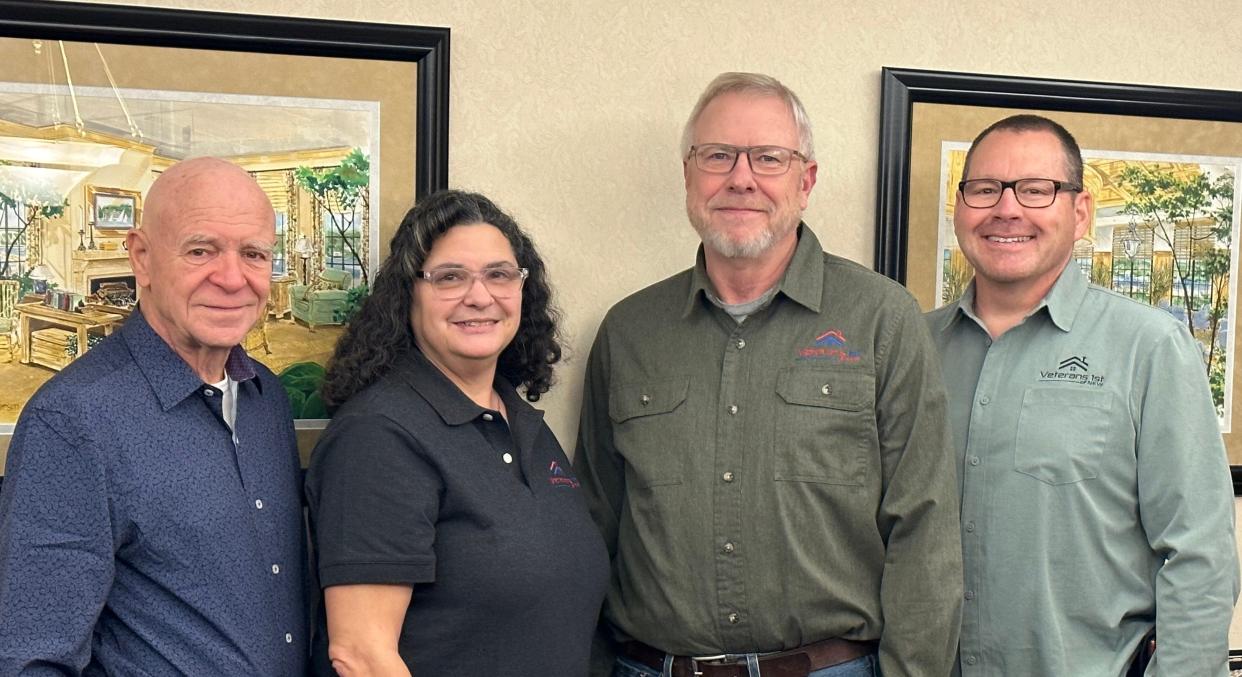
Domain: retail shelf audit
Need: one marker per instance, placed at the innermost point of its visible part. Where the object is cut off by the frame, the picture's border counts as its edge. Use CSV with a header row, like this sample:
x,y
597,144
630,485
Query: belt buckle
x,y
694,662
717,658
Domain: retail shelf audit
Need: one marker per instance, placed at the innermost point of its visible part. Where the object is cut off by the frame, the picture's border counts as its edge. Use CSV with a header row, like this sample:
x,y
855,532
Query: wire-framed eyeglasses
x,y
452,282
721,158
1033,193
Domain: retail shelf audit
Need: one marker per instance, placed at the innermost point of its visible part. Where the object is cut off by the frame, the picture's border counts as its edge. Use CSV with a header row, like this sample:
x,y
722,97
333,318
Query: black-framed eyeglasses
x,y
721,158
1032,193
452,283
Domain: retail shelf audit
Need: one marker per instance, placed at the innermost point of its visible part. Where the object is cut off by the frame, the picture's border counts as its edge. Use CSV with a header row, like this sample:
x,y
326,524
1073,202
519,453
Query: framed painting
x,y
114,208
97,100
1163,163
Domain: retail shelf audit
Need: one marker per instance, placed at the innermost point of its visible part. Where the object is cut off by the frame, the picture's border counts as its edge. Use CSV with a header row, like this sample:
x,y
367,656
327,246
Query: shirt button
x,y
275,568
208,392
826,389
970,527
985,400
970,594
645,400
971,660
728,476
974,460
734,618
732,409
728,547
258,503
507,457
740,343
288,638
487,417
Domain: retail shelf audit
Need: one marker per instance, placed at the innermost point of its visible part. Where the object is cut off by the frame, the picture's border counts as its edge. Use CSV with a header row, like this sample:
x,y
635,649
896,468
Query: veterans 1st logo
x,y
830,345
1073,369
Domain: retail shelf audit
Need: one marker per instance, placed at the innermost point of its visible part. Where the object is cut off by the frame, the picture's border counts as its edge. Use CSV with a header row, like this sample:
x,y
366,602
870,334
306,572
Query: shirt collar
x,y
450,402
803,281
1066,296
171,377
1062,301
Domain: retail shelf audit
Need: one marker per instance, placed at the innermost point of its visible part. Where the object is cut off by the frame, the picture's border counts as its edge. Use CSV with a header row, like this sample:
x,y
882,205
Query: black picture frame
x,y
426,46
901,88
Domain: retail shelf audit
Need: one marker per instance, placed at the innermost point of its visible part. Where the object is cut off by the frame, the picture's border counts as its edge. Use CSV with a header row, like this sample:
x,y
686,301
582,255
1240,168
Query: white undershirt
x,y
228,407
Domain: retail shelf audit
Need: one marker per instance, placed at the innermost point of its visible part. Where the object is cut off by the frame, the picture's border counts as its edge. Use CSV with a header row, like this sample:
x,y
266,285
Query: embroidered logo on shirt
x,y
1073,369
830,345
557,475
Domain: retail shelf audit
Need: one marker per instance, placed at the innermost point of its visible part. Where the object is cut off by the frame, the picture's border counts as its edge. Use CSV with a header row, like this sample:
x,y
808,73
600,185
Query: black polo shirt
x,y
413,483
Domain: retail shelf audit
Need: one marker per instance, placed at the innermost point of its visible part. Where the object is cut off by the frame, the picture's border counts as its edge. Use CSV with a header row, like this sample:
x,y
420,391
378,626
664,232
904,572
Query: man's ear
x,y
1084,213
807,182
139,256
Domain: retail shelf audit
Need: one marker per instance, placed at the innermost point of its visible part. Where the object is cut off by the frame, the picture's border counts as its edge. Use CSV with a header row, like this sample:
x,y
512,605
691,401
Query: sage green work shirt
x,y
773,483
1096,499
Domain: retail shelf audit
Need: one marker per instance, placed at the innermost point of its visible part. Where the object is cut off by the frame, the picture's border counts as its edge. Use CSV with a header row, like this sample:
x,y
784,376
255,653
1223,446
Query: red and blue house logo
x,y
830,345
557,475
832,337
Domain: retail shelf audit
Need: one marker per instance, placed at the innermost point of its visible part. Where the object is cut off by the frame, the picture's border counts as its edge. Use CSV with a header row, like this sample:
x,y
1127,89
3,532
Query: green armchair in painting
x,y
319,303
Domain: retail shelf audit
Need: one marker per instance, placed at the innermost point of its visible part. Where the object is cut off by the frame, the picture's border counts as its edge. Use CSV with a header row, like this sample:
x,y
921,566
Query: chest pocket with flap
x,y
651,429
825,426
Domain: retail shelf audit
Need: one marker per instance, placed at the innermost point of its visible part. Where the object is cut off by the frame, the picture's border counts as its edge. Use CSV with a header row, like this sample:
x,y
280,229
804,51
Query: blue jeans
x,y
866,666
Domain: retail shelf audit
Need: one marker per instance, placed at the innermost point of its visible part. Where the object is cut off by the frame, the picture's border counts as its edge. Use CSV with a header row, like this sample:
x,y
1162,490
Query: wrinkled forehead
x,y
215,203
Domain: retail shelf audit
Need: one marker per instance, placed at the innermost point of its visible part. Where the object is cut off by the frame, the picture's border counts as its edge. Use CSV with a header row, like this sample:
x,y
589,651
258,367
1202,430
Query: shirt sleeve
x,y
1186,509
599,467
921,589
56,547
374,503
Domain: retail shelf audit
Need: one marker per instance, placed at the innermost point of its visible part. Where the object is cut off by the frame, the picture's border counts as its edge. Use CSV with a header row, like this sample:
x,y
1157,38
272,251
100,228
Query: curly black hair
x,y
380,333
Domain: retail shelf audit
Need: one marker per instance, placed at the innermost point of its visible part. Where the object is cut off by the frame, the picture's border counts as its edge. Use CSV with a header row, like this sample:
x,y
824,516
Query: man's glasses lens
x,y
501,281
1035,193
719,158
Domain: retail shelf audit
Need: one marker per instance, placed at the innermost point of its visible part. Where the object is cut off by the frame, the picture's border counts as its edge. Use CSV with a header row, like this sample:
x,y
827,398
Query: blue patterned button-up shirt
x,y
136,537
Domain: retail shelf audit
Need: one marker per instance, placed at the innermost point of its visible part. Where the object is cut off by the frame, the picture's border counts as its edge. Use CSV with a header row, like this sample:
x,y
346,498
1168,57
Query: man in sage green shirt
x,y
1096,499
763,438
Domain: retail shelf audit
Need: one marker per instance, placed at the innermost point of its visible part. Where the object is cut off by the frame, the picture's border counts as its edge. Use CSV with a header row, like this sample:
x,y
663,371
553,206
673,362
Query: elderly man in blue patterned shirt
x,y
150,521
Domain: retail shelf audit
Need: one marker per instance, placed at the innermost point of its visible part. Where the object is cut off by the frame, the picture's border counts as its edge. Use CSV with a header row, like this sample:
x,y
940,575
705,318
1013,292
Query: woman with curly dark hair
x,y
450,533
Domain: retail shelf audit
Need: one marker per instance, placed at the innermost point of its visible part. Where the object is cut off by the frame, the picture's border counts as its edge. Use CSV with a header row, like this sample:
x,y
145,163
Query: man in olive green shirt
x,y
1096,499
763,439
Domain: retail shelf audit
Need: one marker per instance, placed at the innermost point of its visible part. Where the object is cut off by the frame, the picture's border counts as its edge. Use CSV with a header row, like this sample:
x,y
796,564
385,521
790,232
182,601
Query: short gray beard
x,y
753,248
733,249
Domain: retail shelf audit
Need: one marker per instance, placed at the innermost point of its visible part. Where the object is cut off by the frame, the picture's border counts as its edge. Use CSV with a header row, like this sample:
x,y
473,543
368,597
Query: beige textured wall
x,y
568,113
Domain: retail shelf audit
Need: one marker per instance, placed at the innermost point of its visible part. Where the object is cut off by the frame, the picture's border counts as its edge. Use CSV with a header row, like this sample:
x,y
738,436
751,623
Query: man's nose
x,y
1008,205
742,176
228,272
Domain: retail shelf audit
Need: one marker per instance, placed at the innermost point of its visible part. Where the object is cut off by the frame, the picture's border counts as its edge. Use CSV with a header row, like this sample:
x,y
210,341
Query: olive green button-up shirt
x,y
777,482
1096,498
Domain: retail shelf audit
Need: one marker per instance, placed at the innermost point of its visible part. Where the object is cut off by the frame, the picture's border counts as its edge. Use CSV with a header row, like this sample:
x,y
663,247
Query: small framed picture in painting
x,y
114,208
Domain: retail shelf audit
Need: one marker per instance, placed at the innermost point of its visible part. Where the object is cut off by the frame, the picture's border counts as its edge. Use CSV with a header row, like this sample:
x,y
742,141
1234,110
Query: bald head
x,y
197,184
203,259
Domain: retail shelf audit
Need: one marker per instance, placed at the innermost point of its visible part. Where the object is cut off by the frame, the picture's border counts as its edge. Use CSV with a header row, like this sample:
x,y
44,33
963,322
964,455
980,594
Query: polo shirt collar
x,y
452,405
169,376
803,281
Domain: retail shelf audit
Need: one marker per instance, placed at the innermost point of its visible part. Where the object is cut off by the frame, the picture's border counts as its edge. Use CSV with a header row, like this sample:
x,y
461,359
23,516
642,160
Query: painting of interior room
x,y
79,148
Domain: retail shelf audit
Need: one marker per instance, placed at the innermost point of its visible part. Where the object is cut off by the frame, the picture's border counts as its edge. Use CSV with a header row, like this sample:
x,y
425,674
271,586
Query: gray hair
x,y
752,83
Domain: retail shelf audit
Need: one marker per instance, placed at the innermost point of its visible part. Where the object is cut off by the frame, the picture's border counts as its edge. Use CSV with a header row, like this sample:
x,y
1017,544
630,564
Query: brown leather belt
x,y
798,662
